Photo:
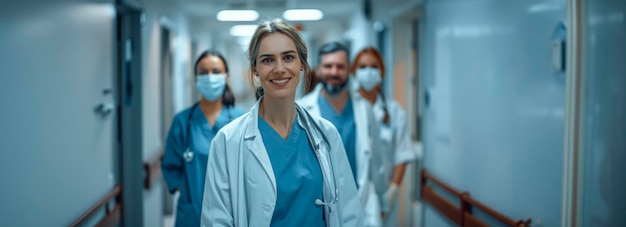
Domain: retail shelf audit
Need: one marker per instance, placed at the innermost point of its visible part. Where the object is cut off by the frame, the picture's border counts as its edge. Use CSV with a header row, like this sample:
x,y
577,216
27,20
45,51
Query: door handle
x,y
104,109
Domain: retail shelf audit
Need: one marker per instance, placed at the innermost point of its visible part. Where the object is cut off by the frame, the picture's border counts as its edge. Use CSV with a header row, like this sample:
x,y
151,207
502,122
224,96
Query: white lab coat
x,y
395,140
240,188
369,158
395,135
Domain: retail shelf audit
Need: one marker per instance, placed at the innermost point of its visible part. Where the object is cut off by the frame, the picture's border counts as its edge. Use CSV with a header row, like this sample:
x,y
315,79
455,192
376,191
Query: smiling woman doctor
x,y
277,165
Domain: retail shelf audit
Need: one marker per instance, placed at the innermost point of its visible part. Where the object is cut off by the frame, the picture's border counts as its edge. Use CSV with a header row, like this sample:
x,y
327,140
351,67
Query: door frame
x,y
573,149
129,93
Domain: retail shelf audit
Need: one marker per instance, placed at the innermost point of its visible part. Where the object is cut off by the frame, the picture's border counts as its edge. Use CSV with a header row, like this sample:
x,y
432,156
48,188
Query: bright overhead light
x,y
243,30
303,14
237,15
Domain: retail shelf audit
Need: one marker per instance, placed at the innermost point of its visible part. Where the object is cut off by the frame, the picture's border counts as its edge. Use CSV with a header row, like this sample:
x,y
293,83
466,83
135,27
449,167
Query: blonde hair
x,y
268,27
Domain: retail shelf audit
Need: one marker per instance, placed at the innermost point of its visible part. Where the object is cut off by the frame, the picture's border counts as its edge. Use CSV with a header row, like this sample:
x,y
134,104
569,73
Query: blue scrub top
x,y
188,175
344,122
298,177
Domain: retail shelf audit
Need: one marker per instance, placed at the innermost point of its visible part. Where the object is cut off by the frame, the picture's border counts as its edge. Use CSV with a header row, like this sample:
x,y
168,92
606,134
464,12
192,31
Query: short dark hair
x,y
228,98
332,47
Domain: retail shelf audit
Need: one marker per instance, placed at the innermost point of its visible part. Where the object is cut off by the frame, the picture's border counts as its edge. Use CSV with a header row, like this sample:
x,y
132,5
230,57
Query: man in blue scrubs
x,y
336,98
334,102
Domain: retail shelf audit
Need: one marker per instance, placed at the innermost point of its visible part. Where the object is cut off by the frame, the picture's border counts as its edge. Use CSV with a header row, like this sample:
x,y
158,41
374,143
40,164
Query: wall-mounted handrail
x,y
427,176
493,213
113,217
151,168
445,207
104,201
461,215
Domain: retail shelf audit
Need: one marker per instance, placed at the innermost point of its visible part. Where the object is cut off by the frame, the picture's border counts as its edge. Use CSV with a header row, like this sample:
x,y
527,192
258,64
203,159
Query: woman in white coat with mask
x,y
369,69
277,165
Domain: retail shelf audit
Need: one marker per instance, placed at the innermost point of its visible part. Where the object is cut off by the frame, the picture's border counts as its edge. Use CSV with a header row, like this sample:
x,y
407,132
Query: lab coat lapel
x,y
320,147
309,102
254,143
322,152
363,145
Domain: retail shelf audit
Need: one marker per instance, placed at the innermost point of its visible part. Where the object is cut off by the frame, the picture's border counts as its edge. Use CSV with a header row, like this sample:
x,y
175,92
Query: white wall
x,y
604,181
61,57
163,13
157,14
360,32
495,123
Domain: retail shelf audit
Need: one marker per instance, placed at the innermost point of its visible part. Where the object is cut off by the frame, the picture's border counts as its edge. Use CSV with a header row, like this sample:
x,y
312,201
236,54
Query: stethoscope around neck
x,y
306,118
188,154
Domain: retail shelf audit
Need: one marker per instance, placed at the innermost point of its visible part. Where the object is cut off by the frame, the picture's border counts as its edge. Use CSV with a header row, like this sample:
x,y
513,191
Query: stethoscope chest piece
x,y
188,155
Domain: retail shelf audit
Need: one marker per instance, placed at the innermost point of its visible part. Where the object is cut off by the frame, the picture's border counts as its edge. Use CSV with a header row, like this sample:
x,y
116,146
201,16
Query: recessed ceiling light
x,y
303,14
237,15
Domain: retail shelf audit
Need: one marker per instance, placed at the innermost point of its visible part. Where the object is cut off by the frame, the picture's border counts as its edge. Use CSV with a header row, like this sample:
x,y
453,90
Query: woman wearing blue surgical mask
x,y
369,70
188,142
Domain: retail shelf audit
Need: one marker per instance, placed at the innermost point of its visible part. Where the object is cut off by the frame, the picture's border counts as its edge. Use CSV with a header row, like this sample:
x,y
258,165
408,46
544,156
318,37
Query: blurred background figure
x,y
369,70
336,100
188,141
314,81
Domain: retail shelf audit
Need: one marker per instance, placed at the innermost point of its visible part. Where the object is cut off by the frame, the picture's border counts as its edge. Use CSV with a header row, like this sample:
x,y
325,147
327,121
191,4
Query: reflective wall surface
x,y
494,123
604,171
56,150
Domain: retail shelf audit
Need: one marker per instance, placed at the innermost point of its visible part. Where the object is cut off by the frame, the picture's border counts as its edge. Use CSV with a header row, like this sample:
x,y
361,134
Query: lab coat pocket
x,y
386,134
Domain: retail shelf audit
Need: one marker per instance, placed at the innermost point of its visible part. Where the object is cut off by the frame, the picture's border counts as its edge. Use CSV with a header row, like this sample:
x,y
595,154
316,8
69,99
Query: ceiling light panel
x,y
237,15
303,15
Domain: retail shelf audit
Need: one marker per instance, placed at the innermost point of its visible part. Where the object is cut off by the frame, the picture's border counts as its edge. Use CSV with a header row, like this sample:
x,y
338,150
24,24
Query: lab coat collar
x,y
252,125
305,118
255,145
252,129
257,148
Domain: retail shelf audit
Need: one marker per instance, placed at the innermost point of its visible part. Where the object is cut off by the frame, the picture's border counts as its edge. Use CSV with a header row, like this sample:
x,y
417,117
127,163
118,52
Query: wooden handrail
x,y
114,193
462,215
112,217
427,176
151,168
445,207
491,212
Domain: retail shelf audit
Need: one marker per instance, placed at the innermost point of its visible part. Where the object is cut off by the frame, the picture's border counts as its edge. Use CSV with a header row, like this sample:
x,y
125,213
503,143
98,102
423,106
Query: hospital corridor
x,y
378,113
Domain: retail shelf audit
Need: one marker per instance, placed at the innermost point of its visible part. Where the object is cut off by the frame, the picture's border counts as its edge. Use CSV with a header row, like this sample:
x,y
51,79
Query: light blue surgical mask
x,y
211,85
368,77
